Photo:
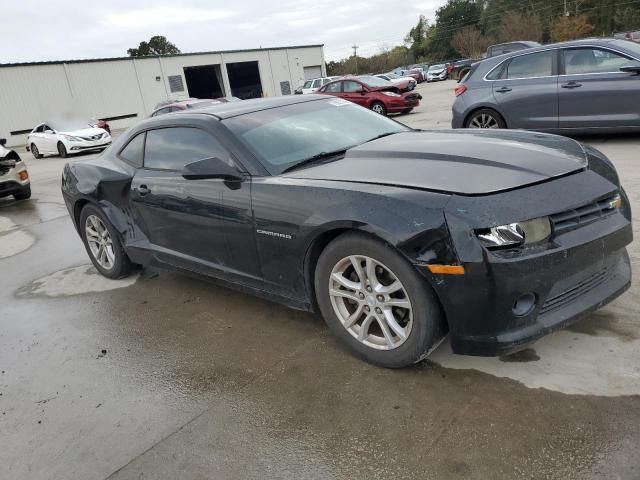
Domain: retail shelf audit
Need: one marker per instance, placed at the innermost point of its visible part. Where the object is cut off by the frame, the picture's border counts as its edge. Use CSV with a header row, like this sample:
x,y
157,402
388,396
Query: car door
x,y
317,83
49,139
36,137
594,92
201,225
334,89
526,91
355,92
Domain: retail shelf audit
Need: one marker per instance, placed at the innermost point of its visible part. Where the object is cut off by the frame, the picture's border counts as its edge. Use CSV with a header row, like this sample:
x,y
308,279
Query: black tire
x,y
122,266
488,112
379,106
24,194
408,110
34,150
62,150
429,326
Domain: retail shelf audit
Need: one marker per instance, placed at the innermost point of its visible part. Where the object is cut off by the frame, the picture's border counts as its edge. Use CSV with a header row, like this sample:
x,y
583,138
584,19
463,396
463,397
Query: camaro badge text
x,y
274,234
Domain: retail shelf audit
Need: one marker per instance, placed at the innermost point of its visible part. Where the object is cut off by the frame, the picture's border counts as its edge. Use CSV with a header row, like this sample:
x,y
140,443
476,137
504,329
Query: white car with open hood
x,y
66,137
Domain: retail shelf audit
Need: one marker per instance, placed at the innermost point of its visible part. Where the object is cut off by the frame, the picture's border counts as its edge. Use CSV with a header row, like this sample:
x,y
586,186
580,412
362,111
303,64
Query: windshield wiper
x,y
317,158
381,136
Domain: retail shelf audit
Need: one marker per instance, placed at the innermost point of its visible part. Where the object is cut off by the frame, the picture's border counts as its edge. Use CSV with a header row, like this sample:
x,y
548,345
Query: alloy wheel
x,y
484,120
378,108
34,150
371,302
100,242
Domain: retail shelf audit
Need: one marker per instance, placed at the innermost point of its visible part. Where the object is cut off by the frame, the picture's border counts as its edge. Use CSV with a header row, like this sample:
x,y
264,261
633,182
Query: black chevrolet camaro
x,y
396,236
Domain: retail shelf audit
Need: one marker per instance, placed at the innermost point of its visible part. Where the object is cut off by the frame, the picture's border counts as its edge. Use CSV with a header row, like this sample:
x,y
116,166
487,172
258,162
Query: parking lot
x,y
164,376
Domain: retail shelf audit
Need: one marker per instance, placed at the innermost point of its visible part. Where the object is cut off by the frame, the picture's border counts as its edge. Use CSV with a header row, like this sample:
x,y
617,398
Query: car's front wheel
x,y
34,150
376,303
103,244
62,150
379,107
485,118
23,194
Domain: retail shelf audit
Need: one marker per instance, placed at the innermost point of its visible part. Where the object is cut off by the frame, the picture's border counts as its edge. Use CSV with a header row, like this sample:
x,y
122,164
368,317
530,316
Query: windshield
x,y
436,67
373,81
631,47
392,76
203,104
282,137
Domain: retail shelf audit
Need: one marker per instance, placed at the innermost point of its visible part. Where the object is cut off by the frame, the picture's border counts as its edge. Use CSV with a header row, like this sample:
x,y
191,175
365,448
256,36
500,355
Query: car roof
x,y
233,109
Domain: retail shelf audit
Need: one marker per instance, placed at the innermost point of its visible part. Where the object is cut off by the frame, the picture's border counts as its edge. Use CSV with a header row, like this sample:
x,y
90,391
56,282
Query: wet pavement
x,y
163,376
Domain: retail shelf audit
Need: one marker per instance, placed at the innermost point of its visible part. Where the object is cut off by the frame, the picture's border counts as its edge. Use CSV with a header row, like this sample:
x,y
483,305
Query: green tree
x,y
157,45
451,18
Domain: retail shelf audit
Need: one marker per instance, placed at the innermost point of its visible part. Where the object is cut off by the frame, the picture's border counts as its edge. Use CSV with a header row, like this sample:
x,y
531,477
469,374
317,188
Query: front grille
x,y
581,288
577,217
93,137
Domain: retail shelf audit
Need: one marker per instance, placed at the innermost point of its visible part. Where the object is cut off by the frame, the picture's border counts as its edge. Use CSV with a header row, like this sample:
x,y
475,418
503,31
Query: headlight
x,y
515,234
71,138
391,94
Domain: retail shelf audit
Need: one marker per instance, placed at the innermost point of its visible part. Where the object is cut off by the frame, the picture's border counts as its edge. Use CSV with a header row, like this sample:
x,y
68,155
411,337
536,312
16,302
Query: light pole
x,y
355,54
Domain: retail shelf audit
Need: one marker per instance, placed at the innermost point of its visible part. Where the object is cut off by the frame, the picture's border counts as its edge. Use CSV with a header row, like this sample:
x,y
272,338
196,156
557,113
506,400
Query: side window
x,y
134,151
307,84
317,83
173,148
46,127
333,87
498,72
350,87
532,65
40,129
325,81
592,60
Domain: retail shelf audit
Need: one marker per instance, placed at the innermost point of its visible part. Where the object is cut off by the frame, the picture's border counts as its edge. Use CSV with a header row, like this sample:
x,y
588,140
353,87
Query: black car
x,y
396,236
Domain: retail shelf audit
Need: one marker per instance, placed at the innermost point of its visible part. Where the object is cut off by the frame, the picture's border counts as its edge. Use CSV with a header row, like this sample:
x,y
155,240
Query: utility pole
x,y
355,54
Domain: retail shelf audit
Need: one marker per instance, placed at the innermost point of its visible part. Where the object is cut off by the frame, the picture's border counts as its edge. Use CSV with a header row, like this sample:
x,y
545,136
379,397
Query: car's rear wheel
x,y
62,150
485,118
24,194
103,244
34,150
375,302
379,107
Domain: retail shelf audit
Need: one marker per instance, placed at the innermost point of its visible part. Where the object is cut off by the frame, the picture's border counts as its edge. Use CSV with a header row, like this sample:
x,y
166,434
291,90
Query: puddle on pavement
x,y
73,281
597,356
12,240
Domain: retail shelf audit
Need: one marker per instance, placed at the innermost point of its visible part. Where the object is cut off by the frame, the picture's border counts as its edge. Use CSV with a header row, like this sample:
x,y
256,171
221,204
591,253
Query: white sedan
x,y
66,138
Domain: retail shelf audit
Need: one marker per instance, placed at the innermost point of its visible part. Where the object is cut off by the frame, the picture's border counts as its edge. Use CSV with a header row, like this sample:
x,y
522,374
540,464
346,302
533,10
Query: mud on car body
x,y
397,237
14,177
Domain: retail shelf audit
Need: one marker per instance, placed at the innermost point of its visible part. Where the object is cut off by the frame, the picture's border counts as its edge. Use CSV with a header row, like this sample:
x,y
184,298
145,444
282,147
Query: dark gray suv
x,y
565,87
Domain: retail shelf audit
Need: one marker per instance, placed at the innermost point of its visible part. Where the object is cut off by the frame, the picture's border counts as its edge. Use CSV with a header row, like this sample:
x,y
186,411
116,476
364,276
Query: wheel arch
x,y
484,107
324,237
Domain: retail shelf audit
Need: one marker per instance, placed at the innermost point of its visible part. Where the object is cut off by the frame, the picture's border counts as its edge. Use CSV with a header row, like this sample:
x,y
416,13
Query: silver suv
x,y
14,178
566,87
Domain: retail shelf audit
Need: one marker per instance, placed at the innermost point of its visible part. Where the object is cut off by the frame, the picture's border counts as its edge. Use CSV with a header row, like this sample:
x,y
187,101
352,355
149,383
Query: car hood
x,y
435,72
83,132
467,162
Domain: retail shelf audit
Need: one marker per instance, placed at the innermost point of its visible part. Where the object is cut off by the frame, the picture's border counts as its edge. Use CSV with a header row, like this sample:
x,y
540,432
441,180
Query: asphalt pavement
x,y
160,376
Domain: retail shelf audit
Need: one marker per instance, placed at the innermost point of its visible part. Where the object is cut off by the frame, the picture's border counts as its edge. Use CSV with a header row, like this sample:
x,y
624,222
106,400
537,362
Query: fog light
x,y
524,304
23,175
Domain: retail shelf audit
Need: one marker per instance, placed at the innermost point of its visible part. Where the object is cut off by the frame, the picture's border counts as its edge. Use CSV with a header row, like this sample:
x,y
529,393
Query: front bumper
x,y
74,147
574,273
13,180
441,76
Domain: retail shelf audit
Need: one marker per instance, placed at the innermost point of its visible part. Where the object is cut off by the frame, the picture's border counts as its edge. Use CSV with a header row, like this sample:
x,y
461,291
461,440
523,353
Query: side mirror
x,y
631,68
49,131
362,91
210,168
3,142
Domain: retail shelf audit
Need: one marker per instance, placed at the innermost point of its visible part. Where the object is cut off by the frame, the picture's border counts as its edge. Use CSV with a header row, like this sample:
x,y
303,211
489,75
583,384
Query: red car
x,y
374,93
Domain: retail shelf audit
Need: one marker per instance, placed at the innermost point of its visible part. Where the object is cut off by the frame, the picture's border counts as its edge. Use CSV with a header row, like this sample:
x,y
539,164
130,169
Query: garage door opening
x,y
204,81
244,79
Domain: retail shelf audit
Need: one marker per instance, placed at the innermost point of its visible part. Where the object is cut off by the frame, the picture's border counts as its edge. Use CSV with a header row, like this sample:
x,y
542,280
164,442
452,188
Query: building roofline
x,y
117,59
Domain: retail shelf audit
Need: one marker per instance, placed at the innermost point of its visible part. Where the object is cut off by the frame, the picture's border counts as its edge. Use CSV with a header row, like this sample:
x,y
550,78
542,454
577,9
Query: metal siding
x,y
30,94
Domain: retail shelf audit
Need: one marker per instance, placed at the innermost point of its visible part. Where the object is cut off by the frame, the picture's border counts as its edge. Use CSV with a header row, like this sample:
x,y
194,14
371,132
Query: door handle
x,y
143,190
572,85
503,90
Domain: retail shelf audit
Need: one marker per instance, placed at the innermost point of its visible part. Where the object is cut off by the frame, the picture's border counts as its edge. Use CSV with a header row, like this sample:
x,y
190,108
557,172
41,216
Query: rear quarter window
x,y
133,153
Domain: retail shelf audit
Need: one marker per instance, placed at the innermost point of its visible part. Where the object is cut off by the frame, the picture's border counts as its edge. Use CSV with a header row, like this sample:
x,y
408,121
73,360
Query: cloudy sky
x,y
65,29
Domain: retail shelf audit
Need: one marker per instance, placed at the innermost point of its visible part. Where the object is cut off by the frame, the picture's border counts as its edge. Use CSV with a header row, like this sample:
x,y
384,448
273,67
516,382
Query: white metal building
x,y
124,90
